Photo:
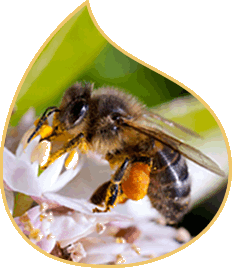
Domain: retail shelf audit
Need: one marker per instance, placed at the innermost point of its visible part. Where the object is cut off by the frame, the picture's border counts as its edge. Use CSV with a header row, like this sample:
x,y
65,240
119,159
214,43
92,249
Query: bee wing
x,y
169,126
148,128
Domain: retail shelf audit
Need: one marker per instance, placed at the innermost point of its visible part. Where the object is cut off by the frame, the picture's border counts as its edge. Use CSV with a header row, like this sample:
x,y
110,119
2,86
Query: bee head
x,y
75,105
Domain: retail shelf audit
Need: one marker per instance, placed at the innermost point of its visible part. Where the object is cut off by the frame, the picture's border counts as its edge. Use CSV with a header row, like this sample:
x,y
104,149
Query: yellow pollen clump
x,y
45,131
136,183
72,159
41,152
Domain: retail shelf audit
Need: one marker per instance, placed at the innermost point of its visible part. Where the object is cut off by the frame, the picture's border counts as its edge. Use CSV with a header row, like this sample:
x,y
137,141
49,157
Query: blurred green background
x,y
78,52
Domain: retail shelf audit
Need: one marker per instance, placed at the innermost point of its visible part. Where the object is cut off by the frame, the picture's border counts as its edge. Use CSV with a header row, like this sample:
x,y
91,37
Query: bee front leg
x,y
110,192
70,145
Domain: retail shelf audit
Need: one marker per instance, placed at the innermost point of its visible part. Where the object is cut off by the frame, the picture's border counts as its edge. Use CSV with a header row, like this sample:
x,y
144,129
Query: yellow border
x,y
155,70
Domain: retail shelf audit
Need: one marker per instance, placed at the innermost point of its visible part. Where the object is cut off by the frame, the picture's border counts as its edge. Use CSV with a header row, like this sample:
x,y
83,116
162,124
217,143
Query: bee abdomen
x,y
170,186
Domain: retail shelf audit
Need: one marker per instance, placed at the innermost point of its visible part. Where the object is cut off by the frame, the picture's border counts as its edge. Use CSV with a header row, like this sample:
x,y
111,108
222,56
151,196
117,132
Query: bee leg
x,y
70,145
42,120
99,196
110,191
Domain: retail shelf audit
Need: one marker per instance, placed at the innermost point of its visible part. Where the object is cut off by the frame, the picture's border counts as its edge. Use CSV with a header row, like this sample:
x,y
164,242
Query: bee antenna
x,y
43,119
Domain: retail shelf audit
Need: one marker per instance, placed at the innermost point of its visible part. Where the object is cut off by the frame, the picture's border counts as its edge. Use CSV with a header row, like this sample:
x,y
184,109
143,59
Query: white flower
x,y
20,175
47,227
77,229
152,241
39,224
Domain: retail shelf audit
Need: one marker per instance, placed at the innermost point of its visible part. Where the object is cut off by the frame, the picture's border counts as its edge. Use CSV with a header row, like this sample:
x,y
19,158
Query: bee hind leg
x,y
111,191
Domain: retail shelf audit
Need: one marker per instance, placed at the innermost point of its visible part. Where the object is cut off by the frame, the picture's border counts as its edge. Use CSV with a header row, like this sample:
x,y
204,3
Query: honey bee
x,y
140,145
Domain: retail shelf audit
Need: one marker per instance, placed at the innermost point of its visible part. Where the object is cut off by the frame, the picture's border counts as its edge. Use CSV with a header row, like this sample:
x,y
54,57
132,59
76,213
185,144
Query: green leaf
x,y
68,53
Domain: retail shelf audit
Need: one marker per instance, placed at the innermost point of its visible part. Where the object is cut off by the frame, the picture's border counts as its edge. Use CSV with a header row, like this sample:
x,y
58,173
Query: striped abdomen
x,y
169,189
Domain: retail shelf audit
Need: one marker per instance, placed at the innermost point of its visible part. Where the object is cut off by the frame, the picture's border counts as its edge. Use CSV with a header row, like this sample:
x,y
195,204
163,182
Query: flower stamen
x,y
120,240
120,259
72,160
36,235
100,228
43,207
41,152
43,216
50,236
182,236
24,218
50,217
77,251
136,249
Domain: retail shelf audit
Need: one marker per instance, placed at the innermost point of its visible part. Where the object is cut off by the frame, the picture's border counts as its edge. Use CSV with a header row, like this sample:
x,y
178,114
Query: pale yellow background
x,y
199,58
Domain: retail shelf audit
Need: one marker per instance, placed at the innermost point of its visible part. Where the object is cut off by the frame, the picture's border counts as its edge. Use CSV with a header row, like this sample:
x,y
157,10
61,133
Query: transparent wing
x,y
149,128
169,126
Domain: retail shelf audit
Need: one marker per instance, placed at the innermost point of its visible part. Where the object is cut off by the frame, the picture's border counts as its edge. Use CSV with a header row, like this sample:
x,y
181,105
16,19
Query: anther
x,y
120,240
43,216
28,226
72,160
182,235
24,218
41,152
36,234
136,249
50,217
120,259
43,207
50,237
100,228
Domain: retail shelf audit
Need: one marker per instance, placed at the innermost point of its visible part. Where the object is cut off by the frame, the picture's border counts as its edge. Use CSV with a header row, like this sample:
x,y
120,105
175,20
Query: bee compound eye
x,y
116,116
77,113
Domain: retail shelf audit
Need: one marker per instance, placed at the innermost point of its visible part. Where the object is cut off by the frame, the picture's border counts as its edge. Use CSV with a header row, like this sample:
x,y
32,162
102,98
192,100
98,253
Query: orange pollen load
x,y
136,183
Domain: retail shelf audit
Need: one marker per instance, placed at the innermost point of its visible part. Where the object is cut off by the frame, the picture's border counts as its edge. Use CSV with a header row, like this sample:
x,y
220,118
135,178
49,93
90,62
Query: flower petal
x,y
98,259
92,175
8,164
64,178
47,244
86,207
51,174
68,226
26,153
22,178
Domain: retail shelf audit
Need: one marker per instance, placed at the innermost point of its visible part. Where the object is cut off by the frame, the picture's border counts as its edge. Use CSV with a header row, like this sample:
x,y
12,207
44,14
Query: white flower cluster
x,y
63,224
